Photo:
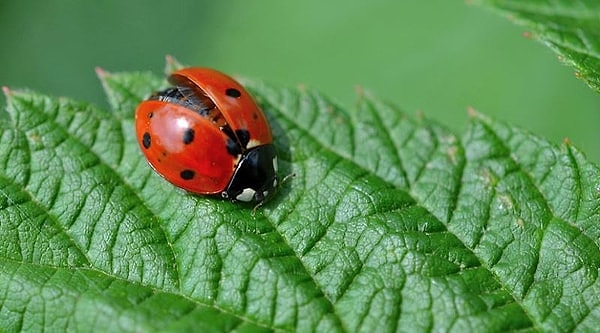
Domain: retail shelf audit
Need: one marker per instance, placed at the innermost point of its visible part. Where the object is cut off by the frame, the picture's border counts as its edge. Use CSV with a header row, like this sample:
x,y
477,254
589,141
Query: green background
x,y
436,57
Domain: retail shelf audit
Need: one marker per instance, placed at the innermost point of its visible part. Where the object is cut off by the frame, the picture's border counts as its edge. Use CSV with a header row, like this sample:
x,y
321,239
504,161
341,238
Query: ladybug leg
x,y
286,179
259,204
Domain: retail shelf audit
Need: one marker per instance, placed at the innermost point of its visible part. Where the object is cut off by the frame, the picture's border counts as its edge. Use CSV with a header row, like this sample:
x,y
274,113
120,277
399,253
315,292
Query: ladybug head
x,y
255,177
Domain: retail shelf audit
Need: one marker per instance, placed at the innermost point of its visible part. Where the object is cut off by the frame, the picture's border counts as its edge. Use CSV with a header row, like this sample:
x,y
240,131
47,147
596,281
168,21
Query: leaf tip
x,y
360,91
171,64
7,92
419,114
101,72
301,87
472,112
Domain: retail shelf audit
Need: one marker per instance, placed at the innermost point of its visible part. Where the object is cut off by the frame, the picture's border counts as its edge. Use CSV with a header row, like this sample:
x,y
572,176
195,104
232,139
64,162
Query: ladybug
x,y
206,135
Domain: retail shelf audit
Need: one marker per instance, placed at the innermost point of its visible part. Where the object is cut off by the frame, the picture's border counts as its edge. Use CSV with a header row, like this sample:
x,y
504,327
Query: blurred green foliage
x,y
438,57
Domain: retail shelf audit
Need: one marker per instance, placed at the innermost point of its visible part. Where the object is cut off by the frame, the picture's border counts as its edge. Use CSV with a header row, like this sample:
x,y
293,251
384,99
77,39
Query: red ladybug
x,y
206,135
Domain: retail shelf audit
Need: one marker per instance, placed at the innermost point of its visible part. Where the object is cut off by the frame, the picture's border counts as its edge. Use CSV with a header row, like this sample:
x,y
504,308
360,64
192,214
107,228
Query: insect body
x,y
206,135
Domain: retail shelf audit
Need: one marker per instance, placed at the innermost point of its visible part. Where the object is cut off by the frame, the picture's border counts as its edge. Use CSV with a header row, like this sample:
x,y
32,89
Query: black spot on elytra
x,y
227,130
254,116
233,148
244,136
187,174
188,136
232,92
146,140
150,114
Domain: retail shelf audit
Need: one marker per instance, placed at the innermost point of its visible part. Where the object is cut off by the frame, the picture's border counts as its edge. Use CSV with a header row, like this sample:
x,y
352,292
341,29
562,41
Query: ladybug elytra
x,y
206,135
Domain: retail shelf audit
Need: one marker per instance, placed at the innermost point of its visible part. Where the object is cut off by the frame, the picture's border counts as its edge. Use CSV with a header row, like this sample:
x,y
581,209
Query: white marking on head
x,y
246,196
275,182
253,143
275,166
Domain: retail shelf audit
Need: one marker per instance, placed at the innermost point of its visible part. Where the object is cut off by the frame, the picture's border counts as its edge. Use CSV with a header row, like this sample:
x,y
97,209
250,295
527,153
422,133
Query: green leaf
x,y
570,28
392,223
